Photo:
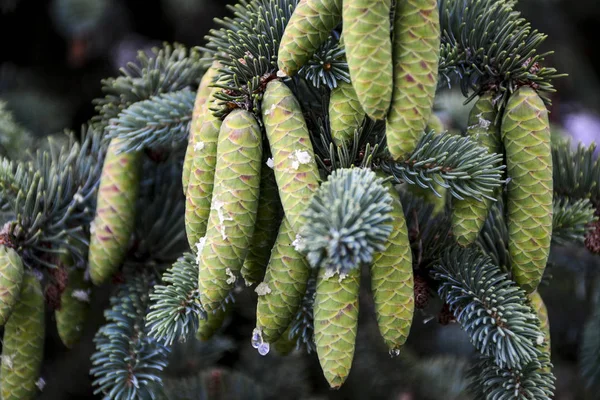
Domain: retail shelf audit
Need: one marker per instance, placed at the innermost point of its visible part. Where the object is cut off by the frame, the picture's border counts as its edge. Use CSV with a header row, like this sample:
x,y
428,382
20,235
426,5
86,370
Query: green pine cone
x,y
310,25
23,344
336,323
435,123
11,279
233,208
115,212
285,344
369,53
416,48
281,292
526,138
268,218
208,327
345,113
202,94
200,186
468,215
392,282
74,308
294,162
542,313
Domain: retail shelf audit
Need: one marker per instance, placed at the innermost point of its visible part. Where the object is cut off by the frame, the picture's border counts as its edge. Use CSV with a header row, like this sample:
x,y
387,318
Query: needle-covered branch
x,y
456,163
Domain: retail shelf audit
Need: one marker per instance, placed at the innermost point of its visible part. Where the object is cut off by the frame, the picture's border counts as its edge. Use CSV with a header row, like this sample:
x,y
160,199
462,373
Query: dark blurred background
x,y
53,55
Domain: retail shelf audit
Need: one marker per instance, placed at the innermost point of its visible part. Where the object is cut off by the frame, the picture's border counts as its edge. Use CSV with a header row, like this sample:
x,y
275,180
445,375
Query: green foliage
x,y
176,307
489,46
169,69
456,163
161,121
491,308
51,197
493,238
576,173
14,138
571,220
489,381
347,220
327,66
302,327
247,45
127,361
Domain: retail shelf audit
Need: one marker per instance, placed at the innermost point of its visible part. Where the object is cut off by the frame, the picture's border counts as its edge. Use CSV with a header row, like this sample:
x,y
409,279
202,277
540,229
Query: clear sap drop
x,y
256,338
264,348
394,353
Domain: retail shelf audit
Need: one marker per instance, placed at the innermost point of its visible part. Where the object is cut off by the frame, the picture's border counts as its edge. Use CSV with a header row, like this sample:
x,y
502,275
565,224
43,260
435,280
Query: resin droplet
x,y
264,348
394,353
256,338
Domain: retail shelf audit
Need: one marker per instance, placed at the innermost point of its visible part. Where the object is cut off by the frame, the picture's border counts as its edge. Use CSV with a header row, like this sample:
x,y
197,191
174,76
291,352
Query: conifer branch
x,y
429,233
160,121
327,66
489,46
176,308
491,382
169,69
493,238
491,308
347,220
576,173
51,197
571,220
456,163
246,45
127,362
159,236
302,327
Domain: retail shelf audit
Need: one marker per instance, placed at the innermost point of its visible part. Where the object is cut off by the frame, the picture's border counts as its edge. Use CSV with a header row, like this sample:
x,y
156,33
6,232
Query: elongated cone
x,y
542,313
74,308
202,174
392,281
294,163
369,53
468,215
11,278
202,95
308,28
281,292
416,48
115,212
208,327
435,123
268,218
345,113
285,344
526,137
233,208
23,344
336,323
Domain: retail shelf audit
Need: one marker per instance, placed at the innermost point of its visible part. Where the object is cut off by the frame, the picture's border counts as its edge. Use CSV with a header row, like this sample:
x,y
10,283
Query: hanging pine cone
x,y
421,292
592,238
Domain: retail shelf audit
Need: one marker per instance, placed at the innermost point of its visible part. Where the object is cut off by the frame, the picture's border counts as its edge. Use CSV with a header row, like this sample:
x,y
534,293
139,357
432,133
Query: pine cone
x,y
421,292
592,238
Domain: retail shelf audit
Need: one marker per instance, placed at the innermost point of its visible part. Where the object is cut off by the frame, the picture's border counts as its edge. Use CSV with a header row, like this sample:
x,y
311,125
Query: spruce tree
x,y
290,154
